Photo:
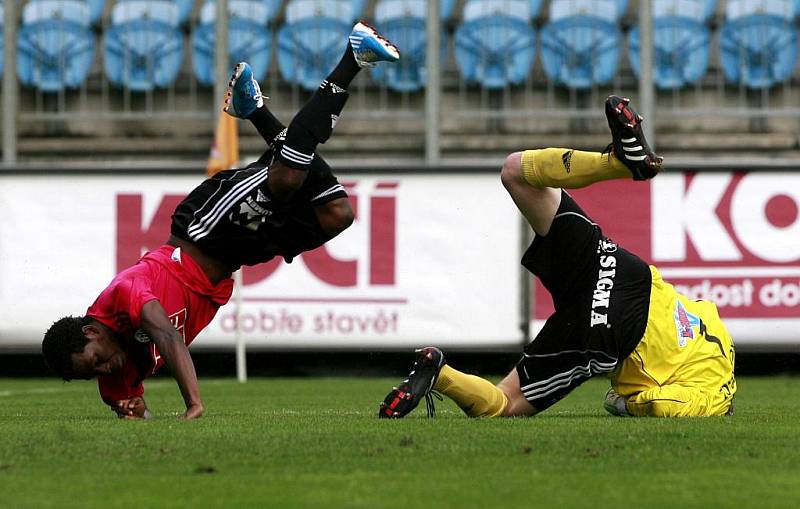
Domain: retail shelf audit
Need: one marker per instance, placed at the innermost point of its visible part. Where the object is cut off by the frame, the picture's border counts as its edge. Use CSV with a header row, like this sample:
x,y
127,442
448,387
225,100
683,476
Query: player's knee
x,y
516,404
511,172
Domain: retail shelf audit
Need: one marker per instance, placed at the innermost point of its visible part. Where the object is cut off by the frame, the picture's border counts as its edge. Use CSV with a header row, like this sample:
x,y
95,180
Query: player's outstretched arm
x,y
175,354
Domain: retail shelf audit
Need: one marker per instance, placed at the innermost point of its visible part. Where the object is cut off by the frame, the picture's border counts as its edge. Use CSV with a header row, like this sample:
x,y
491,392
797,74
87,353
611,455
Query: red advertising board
x,y
729,237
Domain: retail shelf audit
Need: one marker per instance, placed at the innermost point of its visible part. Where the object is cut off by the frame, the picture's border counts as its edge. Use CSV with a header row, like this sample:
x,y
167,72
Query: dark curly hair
x,y
64,338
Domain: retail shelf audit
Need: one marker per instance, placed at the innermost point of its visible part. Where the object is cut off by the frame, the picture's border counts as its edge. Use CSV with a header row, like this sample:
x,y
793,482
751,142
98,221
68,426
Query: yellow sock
x,y
476,397
570,169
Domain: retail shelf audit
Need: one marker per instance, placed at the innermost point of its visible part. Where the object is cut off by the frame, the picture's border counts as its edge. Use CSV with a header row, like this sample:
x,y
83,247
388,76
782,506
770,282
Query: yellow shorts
x,y
684,364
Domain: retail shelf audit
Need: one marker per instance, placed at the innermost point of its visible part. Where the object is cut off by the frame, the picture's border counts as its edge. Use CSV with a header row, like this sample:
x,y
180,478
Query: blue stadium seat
x,y
698,10
249,39
259,11
165,11
478,8
143,46
96,8
309,48
524,10
55,46
404,23
610,10
448,6
358,8
74,10
580,51
786,9
273,7
496,44
344,10
393,9
184,7
758,50
680,51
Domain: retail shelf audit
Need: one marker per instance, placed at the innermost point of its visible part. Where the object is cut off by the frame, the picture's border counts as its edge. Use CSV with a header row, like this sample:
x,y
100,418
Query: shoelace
x,y
429,402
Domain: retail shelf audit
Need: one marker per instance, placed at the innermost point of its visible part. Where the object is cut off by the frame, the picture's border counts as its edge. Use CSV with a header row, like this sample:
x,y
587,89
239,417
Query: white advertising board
x,y
429,259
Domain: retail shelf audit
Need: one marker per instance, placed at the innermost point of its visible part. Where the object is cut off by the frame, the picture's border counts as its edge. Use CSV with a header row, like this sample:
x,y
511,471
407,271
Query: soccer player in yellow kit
x,y
666,356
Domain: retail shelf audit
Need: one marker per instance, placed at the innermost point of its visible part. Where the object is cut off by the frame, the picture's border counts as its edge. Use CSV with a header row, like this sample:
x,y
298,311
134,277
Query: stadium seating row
x,y
581,43
495,43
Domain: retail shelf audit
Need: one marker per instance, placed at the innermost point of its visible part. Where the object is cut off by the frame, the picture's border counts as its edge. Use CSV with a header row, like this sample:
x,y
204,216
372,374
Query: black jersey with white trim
x,y
232,217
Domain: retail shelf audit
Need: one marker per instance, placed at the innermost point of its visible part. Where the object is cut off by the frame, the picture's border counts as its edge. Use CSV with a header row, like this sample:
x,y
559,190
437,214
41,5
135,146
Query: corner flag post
x,y
224,154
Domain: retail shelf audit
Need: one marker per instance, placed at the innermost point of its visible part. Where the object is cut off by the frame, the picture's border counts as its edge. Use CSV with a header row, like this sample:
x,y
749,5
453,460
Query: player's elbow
x,y
345,218
167,340
338,217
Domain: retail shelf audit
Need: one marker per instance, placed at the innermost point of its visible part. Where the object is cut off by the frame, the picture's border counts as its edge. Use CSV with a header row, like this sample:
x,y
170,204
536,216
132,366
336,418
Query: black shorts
x,y
601,295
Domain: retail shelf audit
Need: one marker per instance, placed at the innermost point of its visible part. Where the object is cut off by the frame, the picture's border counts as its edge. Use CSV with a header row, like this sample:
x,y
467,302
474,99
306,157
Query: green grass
x,y
316,443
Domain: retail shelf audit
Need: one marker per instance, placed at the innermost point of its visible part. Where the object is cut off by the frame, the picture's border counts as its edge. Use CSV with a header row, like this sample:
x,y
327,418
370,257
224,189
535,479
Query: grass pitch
x,y
316,443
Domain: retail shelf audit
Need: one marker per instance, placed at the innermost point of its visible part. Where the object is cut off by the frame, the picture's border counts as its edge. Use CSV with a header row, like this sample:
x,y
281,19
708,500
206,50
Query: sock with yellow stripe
x,y
474,395
570,169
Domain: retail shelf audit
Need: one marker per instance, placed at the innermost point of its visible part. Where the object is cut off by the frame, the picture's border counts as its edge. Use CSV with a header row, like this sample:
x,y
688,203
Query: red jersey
x,y
171,277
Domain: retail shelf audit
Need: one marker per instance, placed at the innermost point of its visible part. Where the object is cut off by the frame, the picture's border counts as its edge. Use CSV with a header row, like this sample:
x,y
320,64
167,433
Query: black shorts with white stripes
x,y
601,295
232,217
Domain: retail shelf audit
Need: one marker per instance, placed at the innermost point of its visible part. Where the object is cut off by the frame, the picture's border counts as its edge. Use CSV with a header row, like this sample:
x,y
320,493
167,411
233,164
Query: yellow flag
x,y
224,152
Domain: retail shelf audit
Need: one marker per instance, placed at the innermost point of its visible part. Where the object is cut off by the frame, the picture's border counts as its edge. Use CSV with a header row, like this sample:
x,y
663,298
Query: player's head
x,y
80,347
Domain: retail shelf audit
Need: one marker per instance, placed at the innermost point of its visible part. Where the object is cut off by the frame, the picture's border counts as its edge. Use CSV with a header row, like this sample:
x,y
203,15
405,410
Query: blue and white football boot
x,y
369,47
244,94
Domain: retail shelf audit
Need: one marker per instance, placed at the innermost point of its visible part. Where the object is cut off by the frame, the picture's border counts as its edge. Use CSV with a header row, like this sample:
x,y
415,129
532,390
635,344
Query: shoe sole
x,y
237,73
625,116
425,354
387,408
363,26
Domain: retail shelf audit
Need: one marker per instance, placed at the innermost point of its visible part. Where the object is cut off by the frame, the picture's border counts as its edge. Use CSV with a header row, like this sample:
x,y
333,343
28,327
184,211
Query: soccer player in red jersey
x,y
286,203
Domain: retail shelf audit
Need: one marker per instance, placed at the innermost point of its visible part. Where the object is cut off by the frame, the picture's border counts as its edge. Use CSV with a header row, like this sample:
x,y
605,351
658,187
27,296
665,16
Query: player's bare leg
x,y
312,125
534,178
315,121
245,100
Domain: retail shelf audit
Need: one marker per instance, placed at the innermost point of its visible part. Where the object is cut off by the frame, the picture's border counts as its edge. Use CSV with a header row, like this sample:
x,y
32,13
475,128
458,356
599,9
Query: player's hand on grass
x,y
133,408
193,411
